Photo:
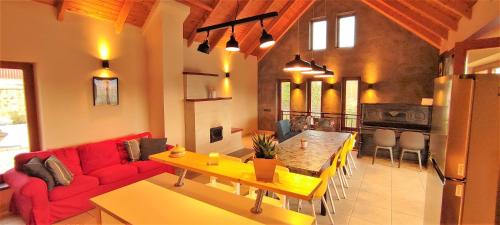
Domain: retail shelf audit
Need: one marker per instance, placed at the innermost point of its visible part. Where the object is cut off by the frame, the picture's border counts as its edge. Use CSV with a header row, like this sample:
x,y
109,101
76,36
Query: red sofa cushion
x,y
122,151
79,184
68,156
114,173
98,155
146,166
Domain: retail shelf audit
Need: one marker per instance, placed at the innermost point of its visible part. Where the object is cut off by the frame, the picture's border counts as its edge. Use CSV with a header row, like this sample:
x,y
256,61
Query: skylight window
x,y
346,31
318,35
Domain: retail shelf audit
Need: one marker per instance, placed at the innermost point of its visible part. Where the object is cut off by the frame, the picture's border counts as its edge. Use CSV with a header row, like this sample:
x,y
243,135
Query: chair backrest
x,y
343,152
384,138
321,190
412,140
282,128
334,164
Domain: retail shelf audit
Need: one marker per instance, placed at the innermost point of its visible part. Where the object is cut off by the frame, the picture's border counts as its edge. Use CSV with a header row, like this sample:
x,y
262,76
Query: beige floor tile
x,y
375,200
356,221
93,212
408,206
372,214
11,220
405,219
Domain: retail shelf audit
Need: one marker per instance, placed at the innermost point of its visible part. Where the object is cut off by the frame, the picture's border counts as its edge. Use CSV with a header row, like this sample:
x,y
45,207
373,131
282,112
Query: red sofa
x,y
97,168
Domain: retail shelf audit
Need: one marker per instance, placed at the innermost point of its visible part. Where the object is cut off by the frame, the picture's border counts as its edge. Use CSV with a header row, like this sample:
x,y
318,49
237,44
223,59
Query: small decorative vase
x,y
303,143
264,169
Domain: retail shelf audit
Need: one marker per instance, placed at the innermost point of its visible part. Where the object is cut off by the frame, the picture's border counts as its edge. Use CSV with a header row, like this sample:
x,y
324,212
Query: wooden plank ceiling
x,y
431,20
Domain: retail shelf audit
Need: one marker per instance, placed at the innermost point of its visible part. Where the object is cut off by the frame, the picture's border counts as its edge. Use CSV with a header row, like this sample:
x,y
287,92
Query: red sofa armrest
x,y
30,199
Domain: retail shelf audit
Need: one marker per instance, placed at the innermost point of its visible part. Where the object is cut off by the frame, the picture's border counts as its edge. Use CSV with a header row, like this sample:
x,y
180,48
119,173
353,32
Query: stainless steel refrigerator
x,y
464,151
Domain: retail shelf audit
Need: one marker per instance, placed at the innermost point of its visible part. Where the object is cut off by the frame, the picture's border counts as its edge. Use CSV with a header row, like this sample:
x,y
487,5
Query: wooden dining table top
x,y
321,147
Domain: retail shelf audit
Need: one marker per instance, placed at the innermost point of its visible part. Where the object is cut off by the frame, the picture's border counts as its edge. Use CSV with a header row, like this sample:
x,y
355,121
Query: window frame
x,y
344,82
278,88
337,29
309,84
311,33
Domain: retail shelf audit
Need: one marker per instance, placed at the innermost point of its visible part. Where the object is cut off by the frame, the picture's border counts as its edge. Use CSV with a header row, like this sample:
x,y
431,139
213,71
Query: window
x,y
346,31
351,101
318,35
315,95
496,70
284,99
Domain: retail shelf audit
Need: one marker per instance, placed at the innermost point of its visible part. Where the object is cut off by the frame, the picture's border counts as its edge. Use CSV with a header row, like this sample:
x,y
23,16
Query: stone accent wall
x,y
399,64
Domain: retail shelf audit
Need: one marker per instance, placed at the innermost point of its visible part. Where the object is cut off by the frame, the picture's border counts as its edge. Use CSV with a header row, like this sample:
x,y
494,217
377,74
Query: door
x,y
284,90
18,114
350,102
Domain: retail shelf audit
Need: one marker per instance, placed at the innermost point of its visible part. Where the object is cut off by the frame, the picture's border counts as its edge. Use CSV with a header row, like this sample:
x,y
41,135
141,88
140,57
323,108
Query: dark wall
x,y
399,64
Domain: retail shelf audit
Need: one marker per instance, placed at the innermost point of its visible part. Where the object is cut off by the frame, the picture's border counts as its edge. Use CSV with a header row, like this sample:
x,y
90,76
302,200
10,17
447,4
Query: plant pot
x,y
264,169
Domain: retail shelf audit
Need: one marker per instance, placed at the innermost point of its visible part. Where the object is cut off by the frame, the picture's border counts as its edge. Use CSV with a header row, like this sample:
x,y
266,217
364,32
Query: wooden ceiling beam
x,y
283,24
457,6
200,23
61,9
423,21
122,16
198,4
432,13
220,32
406,23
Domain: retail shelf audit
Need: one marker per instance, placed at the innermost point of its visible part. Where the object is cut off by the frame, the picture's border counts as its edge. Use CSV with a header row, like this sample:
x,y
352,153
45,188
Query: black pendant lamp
x,y
266,39
232,45
204,47
297,65
327,73
315,69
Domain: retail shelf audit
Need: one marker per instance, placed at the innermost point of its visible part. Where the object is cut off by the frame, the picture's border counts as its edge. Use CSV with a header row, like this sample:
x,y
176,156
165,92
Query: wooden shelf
x,y
200,74
207,99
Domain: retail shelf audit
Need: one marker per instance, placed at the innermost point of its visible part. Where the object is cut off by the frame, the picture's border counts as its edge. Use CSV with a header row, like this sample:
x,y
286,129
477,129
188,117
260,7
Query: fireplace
x,y
215,134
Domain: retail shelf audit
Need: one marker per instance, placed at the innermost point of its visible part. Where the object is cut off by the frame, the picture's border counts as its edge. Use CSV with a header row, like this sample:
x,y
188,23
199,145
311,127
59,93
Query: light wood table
x,y
286,183
157,201
322,146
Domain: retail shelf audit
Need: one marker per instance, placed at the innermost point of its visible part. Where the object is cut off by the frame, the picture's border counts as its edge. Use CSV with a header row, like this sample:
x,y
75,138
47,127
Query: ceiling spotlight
x,y
297,64
232,44
315,69
204,47
266,39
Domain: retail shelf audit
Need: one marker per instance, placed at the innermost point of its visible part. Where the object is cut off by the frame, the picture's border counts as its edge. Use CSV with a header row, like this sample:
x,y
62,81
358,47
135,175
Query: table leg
x,y
258,202
180,181
323,206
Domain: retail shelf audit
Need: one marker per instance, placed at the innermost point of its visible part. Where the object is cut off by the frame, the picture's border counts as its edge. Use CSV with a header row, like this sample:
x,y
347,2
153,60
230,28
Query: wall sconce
x,y
105,64
371,86
296,86
331,86
227,75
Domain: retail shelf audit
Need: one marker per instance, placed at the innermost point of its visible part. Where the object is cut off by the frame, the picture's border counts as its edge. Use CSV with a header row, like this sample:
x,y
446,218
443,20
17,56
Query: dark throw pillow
x,y
133,150
151,146
35,168
59,171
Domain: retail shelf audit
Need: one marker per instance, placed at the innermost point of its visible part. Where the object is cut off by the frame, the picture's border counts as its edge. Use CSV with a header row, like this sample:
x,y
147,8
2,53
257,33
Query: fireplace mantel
x,y
208,99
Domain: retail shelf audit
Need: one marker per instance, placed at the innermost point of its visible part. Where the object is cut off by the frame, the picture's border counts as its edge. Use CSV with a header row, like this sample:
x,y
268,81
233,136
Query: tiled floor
x,y
378,194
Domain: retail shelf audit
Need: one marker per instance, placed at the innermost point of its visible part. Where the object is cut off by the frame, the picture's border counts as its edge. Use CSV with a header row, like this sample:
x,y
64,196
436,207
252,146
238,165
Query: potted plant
x,y
264,161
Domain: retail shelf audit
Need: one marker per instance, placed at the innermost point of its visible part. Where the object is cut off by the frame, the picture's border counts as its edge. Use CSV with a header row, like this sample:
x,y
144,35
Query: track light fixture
x,y
204,47
232,45
266,39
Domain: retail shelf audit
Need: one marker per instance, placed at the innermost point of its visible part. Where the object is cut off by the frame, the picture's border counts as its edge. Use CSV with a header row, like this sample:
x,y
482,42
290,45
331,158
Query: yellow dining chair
x,y
349,158
342,162
282,200
234,188
333,173
319,194
353,143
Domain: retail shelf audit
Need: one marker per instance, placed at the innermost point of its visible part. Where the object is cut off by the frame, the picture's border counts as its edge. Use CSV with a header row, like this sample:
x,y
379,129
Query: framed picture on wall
x,y
105,90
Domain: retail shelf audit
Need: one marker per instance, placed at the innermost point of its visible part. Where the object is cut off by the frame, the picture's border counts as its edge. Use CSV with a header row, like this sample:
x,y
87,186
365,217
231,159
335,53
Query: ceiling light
x,y
327,73
297,64
232,45
266,39
205,47
315,69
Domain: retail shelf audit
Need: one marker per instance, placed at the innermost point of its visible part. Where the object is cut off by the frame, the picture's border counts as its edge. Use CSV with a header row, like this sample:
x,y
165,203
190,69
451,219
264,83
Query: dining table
x,y
317,156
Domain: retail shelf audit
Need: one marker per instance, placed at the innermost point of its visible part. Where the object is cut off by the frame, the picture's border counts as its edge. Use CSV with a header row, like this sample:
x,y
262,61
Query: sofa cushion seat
x,y
114,173
80,183
145,166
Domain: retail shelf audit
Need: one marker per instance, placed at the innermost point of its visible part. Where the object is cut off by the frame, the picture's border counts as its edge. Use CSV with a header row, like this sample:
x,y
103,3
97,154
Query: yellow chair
x,y
342,162
350,159
280,202
319,194
234,188
333,172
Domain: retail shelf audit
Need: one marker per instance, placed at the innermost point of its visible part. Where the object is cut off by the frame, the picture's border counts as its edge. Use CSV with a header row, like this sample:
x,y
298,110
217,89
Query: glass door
x,y
17,112
350,102
284,90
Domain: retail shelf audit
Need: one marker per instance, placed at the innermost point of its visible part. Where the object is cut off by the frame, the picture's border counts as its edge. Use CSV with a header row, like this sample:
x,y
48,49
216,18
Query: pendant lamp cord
x,y
298,38
312,50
